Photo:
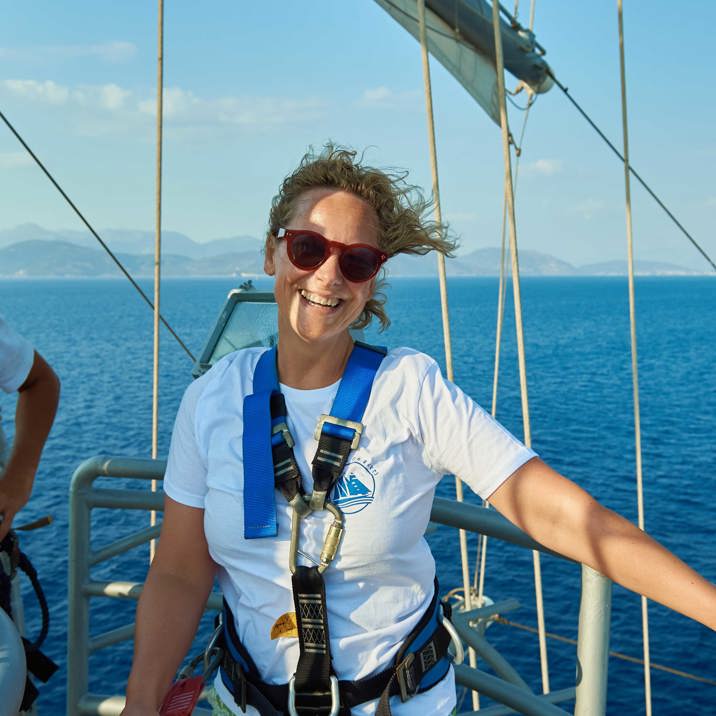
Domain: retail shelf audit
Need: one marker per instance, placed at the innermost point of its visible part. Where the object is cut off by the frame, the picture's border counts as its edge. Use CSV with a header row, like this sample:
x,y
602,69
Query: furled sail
x,y
460,35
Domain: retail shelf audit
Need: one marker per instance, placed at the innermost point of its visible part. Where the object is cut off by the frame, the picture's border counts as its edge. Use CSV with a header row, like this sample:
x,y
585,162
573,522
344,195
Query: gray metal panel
x,y
248,318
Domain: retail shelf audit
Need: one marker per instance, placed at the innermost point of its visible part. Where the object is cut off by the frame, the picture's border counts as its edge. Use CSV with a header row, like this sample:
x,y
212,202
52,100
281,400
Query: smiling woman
x,y
330,610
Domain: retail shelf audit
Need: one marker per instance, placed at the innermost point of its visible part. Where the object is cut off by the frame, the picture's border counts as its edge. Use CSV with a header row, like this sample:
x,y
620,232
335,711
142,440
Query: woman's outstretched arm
x,y
171,605
563,517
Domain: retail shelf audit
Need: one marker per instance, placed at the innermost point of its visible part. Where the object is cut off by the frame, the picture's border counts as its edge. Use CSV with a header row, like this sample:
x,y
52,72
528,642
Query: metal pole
x,y
157,254
595,610
77,600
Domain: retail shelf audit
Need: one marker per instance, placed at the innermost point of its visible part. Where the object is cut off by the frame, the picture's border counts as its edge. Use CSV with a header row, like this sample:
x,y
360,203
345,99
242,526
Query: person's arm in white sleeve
x,y
37,402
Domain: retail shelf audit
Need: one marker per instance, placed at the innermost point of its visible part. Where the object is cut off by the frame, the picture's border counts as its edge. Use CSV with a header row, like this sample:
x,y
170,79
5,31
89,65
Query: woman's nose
x,y
330,271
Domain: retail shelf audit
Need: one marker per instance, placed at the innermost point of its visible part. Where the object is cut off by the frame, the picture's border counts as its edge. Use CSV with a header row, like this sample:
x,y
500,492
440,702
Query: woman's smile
x,y
325,302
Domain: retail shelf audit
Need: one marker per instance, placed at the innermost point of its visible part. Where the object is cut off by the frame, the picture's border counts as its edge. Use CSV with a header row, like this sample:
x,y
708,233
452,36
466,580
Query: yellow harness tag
x,y
285,626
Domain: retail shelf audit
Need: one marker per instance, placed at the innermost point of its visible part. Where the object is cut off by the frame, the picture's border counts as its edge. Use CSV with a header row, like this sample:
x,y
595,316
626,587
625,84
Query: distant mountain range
x,y
32,251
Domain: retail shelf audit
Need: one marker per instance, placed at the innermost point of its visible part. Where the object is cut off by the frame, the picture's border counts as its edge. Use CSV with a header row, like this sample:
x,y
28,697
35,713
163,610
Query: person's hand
x,y
14,493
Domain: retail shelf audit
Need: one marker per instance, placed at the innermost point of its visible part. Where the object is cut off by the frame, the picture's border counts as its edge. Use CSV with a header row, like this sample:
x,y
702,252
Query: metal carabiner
x,y
213,654
331,541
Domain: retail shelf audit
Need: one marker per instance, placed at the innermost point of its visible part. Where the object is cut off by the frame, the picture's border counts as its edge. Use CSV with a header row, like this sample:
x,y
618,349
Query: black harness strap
x,y
314,661
287,476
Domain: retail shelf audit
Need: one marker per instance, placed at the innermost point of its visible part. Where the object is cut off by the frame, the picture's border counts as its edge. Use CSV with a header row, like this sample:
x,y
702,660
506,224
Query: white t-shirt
x,y
16,357
418,426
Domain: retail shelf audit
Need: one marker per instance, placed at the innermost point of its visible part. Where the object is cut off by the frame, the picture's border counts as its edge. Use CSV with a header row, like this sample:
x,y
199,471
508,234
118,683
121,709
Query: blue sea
x,y
98,336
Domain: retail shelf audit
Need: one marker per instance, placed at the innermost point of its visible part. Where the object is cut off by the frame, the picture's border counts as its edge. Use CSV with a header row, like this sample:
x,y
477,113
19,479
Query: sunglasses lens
x,y
307,251
359,263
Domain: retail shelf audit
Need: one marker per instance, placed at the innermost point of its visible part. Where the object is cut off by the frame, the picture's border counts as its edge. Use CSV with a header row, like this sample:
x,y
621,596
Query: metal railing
x,y
507,687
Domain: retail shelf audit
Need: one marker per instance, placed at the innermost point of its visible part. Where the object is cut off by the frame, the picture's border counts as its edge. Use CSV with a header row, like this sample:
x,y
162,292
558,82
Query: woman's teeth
x,y
320,300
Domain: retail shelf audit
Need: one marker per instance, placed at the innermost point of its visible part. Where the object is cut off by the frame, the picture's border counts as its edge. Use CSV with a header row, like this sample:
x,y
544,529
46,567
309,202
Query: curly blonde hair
x,y
400,207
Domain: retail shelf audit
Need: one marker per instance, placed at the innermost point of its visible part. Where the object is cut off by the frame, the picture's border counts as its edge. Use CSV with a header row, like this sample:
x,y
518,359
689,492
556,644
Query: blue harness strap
x,y
354,391
348,407
259,502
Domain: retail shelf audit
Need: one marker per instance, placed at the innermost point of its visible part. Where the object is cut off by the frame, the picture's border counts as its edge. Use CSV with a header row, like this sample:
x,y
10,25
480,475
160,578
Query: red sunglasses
x,y
307,250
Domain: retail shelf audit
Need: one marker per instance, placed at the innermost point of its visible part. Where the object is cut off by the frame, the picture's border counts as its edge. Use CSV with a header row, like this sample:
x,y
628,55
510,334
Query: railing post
x,y
77,600
595,611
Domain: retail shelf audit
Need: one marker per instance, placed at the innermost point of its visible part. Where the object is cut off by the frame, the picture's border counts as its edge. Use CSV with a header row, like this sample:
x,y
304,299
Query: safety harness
x,y
38,664
270,464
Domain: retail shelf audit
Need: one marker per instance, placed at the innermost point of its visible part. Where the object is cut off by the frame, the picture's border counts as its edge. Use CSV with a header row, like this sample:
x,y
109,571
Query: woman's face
x,y
320,305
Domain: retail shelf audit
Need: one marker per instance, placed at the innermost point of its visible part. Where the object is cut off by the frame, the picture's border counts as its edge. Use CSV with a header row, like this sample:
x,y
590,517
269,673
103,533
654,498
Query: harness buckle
x,y
238,678
335,697
340,422
406,678
285,432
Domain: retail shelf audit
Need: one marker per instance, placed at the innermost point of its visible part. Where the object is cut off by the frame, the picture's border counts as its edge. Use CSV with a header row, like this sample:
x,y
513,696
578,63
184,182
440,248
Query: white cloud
x,y
14,160
587,208
177,103
106,108
109,97
47,91
112,96
385,97
184,107
113,52
377,94
545,167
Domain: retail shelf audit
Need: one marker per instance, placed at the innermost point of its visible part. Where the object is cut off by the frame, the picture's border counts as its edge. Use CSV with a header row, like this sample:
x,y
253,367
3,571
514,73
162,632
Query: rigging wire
x,y
517,302
472,656
632,171
519,107
633,342
480,568
93,232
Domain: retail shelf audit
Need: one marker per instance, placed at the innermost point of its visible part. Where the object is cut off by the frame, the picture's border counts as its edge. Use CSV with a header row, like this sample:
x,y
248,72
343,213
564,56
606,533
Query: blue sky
x,y
251,85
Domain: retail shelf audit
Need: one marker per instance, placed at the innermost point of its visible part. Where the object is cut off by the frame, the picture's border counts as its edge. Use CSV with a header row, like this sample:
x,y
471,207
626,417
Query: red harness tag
x,y
182,697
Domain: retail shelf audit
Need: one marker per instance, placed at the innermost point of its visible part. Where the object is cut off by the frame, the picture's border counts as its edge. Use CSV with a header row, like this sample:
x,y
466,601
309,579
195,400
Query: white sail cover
x,y
460,36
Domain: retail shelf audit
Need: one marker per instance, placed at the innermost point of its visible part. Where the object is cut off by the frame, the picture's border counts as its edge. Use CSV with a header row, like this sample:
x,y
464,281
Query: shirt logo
x,y
355,489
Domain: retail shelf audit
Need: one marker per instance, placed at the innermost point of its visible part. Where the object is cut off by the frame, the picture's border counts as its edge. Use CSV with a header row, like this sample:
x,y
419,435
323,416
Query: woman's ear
x,y
269,267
